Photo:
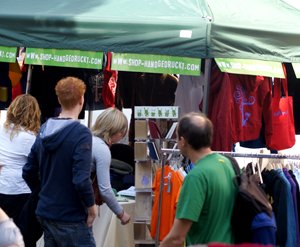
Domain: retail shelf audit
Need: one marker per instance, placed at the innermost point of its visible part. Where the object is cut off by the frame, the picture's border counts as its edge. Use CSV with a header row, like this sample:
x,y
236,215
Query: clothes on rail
x,y
283,188
252,206
172,182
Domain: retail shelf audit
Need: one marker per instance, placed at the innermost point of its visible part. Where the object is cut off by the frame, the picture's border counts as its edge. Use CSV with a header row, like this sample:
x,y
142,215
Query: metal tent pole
x,y
28,83
161,188
207,74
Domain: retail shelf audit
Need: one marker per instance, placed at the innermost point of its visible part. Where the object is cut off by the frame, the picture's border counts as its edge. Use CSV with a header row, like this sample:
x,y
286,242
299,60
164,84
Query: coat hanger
x,y
259,173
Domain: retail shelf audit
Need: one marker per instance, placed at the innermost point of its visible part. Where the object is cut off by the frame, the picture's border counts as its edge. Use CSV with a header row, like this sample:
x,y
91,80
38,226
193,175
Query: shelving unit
x,y
144,169
143,185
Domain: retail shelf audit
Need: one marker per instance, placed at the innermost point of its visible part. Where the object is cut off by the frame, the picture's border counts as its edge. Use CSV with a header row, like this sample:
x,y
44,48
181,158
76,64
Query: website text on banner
x,y
155,64
64,58
250,67
8,54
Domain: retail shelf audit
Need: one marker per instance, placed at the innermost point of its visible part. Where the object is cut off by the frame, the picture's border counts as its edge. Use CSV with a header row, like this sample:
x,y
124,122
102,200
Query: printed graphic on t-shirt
x,y
243,100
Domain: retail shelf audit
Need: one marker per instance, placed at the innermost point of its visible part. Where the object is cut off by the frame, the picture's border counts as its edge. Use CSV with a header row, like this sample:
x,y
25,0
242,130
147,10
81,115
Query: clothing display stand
x,y
143,185
167,152
147,154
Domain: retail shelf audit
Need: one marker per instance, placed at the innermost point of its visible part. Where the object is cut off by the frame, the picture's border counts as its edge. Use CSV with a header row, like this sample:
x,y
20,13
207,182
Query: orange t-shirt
x,y
172,184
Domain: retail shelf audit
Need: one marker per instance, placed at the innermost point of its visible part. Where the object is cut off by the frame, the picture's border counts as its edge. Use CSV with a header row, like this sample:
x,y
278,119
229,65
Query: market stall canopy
x,y
255,29
164,27
248,29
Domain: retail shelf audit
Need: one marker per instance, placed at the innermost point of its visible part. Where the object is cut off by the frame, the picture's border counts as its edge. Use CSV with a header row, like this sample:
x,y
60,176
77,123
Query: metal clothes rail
x,y
245,155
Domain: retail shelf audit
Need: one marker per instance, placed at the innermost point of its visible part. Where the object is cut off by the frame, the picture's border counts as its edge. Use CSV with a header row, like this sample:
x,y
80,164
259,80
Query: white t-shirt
x,y
13,156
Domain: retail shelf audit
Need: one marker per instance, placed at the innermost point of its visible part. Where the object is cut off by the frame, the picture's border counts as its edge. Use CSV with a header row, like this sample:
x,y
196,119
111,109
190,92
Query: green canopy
x,y
255,29
128,26
249,29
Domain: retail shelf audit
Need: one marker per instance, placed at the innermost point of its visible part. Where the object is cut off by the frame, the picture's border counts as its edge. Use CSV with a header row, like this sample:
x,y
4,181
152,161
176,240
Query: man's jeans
x,y
67,234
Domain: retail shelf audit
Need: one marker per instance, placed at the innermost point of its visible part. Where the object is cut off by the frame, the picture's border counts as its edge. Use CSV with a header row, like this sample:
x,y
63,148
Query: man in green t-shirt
x,y
207,196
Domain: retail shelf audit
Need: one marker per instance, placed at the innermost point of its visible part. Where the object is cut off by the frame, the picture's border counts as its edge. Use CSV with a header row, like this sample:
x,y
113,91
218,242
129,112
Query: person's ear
x,y
182,140
81,100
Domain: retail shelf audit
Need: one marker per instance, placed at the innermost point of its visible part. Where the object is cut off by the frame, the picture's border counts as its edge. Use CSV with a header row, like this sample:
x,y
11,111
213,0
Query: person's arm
x,y
177,234
92,213
124,217
3,215
30,171
102,158
81,170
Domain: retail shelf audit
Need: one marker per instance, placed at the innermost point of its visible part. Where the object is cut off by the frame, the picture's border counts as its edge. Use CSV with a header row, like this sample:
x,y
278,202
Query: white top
x,y
13,156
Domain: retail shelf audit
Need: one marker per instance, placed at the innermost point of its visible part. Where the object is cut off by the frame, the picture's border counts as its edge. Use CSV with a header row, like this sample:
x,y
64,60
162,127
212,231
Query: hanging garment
x,y
189,93
263,229
155,89
294,198
297,194
260,142
5,86
110,84
219,110
251,102
279,188
171,187
252,218
15,73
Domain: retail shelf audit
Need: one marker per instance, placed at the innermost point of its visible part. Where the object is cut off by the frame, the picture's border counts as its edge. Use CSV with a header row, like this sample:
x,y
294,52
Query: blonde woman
x,y
110,127
17,135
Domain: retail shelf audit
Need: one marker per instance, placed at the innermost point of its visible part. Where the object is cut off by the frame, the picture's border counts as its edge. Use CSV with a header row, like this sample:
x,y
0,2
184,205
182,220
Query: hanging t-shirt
x,y
251,103
172,184
189,93
110,84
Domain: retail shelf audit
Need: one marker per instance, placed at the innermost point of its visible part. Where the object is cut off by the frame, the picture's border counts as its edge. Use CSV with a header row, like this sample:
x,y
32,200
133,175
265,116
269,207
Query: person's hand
x,y
124,218
92,213
3,215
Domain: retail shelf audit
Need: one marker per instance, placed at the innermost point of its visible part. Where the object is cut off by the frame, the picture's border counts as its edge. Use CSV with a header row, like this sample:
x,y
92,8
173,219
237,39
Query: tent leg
x,y
28,83
207,74
89,122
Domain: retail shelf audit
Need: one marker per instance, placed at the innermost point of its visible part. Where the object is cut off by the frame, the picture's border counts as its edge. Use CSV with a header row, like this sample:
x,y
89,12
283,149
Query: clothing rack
x,y
167,154
245,155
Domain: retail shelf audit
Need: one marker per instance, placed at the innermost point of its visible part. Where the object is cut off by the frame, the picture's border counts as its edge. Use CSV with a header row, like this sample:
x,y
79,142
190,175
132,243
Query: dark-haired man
x,y
207,196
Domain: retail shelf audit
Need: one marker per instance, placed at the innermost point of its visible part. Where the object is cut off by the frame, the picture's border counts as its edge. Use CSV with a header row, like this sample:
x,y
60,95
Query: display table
x,y
108,230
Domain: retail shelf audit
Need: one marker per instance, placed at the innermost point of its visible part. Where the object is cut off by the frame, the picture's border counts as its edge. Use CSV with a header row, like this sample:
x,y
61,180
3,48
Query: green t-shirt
x,y
207,198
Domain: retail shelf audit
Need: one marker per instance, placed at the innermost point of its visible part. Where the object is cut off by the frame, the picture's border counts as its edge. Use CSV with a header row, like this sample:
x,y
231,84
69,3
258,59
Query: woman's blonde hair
x,y
110,122
23,113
